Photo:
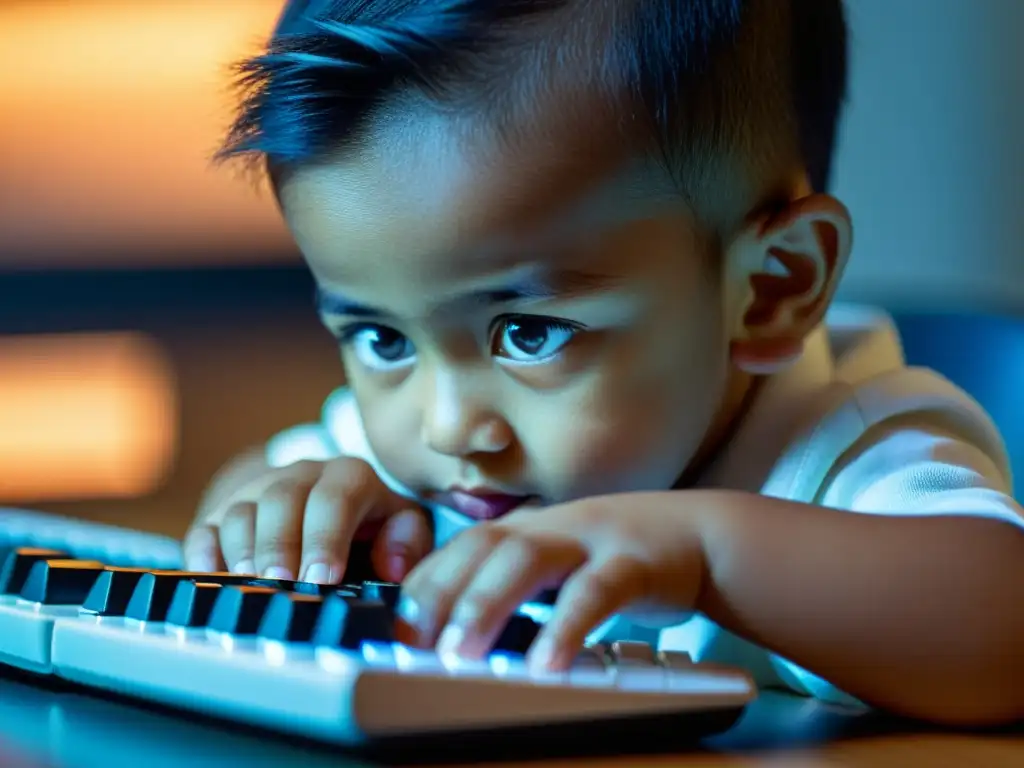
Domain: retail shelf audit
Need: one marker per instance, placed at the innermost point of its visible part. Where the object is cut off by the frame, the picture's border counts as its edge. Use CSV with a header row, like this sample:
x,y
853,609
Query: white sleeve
x,y
910,471
923,472
305,442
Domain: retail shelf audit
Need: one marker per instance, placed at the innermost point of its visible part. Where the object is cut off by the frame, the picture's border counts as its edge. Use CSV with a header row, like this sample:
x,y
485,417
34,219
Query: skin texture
x,y
430,252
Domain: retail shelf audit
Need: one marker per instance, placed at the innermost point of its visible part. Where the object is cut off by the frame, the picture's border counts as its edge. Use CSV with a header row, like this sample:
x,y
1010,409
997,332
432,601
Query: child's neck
x,y
740,393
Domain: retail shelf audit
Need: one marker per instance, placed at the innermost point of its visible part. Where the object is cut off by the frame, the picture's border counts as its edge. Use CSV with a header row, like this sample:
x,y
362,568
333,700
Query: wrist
x,y
715,524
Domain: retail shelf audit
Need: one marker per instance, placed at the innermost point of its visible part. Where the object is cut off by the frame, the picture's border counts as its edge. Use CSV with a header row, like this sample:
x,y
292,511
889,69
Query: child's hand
x,y
633,551
299,522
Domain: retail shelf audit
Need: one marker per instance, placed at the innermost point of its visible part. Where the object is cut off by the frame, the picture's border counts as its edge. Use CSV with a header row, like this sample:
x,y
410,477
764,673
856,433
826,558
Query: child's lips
x,y
481,504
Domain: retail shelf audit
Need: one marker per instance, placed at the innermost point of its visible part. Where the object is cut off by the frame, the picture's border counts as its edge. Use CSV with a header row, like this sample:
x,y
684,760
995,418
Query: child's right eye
x,y
378,347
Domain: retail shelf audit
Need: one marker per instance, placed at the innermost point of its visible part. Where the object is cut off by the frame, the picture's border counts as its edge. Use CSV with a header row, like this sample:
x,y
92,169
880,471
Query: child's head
x,y
556,237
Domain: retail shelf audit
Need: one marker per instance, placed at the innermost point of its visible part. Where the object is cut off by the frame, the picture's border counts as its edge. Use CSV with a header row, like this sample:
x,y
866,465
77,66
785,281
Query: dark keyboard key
x,y
61,582
284,585
112,591
18,563
345,622
359,567
151,597
518,634
239,609
192,603
547,597
298,587
290,617
382,591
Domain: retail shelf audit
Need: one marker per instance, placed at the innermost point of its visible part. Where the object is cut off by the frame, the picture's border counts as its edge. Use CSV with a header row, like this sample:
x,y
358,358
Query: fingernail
x,y
277,572
203,564
541,656
408,610
319,573
398,565
450,640
244,567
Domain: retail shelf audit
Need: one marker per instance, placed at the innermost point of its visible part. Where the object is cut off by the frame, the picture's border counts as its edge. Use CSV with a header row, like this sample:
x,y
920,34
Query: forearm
x,y
919,616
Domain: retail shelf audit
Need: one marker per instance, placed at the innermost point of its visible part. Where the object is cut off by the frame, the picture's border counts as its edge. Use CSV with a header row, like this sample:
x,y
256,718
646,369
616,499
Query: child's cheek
x,y
636,445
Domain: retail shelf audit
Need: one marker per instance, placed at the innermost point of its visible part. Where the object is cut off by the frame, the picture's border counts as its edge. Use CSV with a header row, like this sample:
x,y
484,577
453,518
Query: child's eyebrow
x,y
561,284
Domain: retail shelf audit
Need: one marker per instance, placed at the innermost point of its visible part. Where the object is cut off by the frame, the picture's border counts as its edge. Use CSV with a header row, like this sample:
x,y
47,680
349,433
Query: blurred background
x,y
155,318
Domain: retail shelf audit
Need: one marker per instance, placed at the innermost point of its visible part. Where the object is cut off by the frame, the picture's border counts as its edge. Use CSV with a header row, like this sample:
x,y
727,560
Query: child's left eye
x,y
530,339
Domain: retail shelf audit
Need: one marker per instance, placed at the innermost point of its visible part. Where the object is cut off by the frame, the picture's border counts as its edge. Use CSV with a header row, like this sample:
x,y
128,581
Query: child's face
x,y
543,320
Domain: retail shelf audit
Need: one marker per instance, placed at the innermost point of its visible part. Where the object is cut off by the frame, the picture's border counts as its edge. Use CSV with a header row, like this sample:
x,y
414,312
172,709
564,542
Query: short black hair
x,y
752,77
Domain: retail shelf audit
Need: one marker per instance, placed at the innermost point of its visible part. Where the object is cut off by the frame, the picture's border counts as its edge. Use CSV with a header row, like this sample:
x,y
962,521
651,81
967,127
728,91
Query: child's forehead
x,y
435,183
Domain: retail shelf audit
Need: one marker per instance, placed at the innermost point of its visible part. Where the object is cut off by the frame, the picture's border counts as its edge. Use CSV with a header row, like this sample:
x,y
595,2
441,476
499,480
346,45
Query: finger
x,y
516,570
201,549
238,537
588,597
279,527
430,590
347,492
405,539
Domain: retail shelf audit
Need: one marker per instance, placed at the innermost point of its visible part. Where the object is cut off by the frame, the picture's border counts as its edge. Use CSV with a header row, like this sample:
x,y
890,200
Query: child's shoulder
x,y
850,421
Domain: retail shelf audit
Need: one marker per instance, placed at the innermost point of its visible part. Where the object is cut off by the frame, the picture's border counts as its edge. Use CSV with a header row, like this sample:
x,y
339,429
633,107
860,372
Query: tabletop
x,y
62,728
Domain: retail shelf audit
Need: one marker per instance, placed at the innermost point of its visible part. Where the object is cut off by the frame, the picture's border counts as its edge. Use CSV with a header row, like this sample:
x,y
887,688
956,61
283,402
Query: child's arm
x,y
917,615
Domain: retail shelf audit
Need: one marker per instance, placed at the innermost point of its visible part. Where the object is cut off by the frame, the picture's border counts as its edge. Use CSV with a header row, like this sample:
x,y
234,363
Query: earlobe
x,y
790,262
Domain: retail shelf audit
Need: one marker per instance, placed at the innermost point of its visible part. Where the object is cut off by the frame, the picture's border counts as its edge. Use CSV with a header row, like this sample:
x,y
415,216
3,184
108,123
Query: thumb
x,y
405,539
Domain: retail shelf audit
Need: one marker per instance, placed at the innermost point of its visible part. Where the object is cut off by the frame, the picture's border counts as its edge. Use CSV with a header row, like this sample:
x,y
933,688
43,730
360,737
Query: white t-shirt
x,y
847,426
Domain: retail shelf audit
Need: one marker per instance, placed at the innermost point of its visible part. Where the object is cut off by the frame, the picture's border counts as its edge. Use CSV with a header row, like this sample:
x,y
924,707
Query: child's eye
x,y
379,347
532,339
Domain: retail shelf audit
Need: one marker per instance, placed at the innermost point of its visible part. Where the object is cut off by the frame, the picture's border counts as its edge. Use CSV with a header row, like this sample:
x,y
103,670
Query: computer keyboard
x,y
109,609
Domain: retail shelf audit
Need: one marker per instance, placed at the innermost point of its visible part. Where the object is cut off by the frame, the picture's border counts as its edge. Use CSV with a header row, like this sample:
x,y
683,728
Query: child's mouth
x,y
480,503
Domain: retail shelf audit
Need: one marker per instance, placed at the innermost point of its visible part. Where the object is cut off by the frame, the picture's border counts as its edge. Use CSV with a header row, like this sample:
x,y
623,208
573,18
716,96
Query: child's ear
x,y
783,271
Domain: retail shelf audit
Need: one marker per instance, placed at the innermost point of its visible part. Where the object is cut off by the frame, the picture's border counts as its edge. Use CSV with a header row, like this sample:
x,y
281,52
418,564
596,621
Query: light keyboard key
x,y
632,653
675,660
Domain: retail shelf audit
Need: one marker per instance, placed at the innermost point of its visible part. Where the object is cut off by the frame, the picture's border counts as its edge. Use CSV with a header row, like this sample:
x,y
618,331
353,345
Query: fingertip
x,y
403,542
201,550
392,564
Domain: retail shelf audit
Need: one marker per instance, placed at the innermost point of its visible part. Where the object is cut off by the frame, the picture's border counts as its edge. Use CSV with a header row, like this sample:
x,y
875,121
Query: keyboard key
x,y
238,610
591,658
346,623
290,617
19,562
632,653
112,591
383,591
282,585
675,660
359,568
417,660
60,582
152,596
518,634
547,597
192,603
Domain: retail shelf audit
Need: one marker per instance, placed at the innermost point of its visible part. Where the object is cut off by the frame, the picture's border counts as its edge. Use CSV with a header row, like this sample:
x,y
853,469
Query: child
x,y
578,260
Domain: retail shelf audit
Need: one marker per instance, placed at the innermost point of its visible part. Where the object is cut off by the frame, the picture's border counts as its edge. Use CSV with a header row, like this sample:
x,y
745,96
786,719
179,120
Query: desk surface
x,y
67,729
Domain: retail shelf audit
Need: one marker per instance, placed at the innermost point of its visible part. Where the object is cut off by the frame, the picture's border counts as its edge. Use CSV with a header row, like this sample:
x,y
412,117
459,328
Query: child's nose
x,y
458,425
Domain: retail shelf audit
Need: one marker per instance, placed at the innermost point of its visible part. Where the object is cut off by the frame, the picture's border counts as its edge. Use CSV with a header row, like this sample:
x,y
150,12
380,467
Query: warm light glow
x,y
84,416
109,112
